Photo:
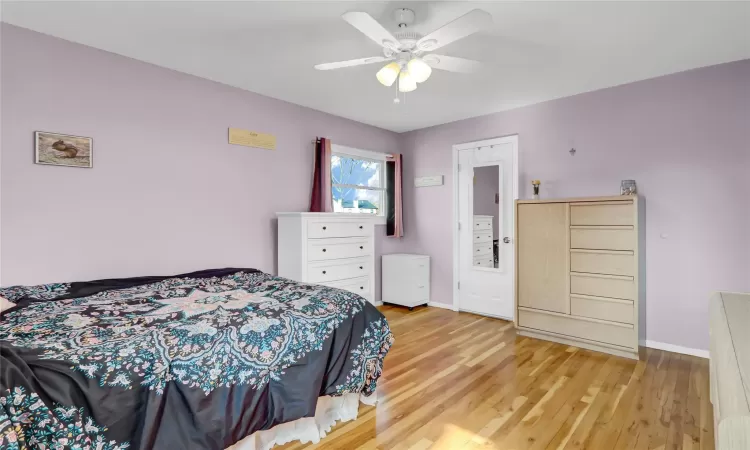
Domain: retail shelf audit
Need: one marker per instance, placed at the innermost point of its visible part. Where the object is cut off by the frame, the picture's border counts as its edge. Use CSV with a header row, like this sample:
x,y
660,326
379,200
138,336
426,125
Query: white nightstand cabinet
x,y
406,279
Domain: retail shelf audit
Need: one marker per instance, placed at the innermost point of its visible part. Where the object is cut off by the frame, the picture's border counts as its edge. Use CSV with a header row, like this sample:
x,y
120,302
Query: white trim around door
x,y
469,145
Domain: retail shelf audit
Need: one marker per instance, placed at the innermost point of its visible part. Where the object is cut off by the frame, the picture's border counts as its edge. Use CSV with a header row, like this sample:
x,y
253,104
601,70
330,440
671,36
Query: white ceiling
x,y
535,51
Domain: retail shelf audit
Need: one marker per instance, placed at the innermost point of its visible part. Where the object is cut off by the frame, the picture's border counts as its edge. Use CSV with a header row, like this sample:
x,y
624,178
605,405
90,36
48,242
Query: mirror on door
x,y
486,213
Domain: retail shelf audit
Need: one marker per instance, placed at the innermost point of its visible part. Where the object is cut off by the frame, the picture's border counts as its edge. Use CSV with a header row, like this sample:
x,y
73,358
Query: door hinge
x,y
459,167
459,225
459,285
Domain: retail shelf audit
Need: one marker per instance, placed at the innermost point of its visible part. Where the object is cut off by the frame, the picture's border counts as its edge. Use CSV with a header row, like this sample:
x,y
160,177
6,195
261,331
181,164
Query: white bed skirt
x,y
328,411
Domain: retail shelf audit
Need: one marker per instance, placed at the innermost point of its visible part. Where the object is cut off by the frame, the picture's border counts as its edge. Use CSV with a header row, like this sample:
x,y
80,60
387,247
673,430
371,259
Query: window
x,y
357,181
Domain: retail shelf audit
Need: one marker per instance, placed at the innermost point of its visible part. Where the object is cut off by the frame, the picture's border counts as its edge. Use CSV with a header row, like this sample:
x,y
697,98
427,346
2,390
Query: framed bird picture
x,y
63,150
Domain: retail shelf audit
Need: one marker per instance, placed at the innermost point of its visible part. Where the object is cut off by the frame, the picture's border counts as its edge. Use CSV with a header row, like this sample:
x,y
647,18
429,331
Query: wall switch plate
x,y
434,180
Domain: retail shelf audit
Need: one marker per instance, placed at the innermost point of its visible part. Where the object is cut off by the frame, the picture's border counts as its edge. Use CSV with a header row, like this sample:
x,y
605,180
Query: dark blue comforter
x,y
198,360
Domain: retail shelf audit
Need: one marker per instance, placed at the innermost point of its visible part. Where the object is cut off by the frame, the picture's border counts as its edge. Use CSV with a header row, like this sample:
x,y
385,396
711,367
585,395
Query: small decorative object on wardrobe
x,y
536,184
627,187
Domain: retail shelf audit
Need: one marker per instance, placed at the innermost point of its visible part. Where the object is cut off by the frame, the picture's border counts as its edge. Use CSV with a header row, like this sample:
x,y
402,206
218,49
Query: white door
x,y
487,186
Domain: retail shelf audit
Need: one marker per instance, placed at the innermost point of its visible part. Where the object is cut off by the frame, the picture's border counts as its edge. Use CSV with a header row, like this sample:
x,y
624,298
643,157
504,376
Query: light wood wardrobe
x,y
580,272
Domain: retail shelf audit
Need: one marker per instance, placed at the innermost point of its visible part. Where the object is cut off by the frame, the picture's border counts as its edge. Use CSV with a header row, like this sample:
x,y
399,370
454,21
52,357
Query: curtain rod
x,y
389,155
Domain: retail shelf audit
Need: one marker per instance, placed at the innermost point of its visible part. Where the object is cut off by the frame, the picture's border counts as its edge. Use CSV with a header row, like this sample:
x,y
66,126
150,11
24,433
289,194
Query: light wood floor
x,y
461,381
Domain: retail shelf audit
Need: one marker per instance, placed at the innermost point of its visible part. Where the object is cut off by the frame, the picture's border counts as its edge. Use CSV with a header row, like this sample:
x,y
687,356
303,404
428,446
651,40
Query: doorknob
x,y
506,240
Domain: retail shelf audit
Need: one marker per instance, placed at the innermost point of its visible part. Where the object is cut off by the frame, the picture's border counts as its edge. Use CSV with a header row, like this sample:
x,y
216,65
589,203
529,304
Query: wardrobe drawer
x,y
602,308
603,261
602,239
323,249
482,236
320,272
610,333
359,286
615,213
325,229
484,261
482,224
602,285
484,248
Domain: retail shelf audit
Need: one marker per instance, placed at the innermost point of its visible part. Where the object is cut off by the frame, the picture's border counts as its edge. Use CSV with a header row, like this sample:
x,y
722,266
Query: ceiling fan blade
x,y
452,64
372,29
465,25
352,63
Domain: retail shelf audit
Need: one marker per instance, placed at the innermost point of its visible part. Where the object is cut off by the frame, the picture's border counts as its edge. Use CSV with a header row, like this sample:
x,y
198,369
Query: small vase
x,y
535,196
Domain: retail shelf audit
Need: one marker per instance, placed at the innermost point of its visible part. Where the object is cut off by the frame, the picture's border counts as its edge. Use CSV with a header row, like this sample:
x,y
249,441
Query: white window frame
x,y
349,152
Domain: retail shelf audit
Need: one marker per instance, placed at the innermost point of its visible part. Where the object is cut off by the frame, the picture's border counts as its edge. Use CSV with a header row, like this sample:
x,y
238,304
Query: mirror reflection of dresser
x,y
484,248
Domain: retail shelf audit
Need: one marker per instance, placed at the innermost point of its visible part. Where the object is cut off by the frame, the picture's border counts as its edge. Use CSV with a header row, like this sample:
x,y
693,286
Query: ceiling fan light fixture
x,y
388,74
406,82
419,70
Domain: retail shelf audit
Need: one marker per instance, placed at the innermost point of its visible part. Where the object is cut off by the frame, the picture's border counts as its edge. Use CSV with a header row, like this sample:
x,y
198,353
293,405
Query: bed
x,y
216,359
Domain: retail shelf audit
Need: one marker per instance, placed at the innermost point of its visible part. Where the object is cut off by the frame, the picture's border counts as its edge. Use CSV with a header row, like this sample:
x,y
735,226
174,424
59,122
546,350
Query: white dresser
x,y
483,253
406,279
730,369
332,249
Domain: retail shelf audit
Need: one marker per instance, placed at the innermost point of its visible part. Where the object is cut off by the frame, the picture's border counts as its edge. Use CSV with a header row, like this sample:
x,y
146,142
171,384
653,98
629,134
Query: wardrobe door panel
x,y
542,239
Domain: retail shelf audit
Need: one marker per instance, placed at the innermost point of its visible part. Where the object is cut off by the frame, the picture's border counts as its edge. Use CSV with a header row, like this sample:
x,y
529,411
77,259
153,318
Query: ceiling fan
x,y
408,51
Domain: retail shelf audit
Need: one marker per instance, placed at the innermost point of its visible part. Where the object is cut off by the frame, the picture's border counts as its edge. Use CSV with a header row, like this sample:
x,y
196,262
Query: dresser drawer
x,y
603,261
325,229
359,286
415,275
421,270
614,310
610,333
484,261
615,213
335,248
603,285
484,248
602,239
482,224
322,271
482,236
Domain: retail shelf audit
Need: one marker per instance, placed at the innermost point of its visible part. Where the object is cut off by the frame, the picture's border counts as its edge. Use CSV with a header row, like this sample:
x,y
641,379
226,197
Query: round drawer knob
x,y
324,228
324,250
361,287
361,267
360,227
324,272
361,247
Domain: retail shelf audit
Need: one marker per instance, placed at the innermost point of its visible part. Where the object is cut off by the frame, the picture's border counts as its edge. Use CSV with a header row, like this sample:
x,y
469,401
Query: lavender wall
x,y
167,193
685,138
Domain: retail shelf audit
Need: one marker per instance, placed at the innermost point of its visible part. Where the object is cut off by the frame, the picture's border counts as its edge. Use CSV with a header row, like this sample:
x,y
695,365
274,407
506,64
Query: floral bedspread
x,y
198,360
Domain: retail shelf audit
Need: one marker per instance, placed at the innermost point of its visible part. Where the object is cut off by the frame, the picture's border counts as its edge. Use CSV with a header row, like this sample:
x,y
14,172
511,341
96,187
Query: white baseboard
x,y
440,305
650,344
677,349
